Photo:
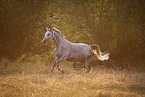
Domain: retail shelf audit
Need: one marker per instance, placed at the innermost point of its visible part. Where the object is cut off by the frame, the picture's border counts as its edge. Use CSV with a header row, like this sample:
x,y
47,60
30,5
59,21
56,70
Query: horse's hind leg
x,y
87,61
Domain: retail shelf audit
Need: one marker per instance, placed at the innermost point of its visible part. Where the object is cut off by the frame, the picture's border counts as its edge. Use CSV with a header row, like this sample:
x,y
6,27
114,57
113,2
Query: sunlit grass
x,y
32,79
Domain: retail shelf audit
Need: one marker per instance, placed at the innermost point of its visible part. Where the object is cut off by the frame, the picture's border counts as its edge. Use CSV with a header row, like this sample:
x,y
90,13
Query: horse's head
x,y
48,36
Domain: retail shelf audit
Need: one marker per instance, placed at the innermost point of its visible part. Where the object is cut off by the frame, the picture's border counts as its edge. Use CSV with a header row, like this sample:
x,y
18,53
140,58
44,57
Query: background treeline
x,y
115,25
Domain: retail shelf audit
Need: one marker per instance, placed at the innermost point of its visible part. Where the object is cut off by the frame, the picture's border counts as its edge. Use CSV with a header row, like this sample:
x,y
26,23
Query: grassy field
x,y
31,79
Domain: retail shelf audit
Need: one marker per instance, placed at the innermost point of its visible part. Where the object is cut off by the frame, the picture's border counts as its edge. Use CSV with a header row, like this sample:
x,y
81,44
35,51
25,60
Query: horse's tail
x,y
100,55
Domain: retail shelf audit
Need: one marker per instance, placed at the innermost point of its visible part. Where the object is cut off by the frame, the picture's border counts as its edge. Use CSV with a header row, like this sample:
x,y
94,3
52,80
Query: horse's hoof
x,y
87,72
50,74
62,71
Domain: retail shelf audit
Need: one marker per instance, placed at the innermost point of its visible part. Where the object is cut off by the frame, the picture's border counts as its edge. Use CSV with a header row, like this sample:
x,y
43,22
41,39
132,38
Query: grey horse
x,y
74,52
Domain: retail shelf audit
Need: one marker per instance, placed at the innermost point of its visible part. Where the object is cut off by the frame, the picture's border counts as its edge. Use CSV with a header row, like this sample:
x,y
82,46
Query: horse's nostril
x,y
43,41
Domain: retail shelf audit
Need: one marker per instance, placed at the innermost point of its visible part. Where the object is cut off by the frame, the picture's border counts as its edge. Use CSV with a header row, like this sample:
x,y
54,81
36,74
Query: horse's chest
x,y
58,54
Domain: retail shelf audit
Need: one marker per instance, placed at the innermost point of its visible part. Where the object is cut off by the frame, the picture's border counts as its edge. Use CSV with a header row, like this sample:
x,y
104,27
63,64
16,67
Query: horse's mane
x,y
56,30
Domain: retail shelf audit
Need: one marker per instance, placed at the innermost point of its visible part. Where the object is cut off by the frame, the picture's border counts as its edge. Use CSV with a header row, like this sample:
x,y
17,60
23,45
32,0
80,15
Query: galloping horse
x,y
74,52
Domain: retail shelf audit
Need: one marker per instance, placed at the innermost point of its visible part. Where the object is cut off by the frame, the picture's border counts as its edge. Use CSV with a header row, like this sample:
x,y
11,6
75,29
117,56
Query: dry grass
x,y
29,79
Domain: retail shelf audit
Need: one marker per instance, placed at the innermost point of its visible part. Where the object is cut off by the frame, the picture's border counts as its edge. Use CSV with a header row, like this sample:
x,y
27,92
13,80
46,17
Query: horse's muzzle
x,y
44,41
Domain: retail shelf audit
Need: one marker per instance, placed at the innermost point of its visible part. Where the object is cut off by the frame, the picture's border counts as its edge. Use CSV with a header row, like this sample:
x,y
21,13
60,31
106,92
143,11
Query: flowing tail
x,y
100,55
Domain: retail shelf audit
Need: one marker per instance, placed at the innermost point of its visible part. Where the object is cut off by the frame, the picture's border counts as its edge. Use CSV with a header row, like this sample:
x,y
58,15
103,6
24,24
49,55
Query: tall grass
x,y
32,78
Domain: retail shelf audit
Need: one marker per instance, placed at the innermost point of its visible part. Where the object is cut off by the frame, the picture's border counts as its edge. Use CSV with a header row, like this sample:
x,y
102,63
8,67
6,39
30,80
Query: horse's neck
x,y
58,39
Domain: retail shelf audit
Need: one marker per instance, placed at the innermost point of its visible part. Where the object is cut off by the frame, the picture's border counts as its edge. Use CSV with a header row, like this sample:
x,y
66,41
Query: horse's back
x,y
79,51
81,46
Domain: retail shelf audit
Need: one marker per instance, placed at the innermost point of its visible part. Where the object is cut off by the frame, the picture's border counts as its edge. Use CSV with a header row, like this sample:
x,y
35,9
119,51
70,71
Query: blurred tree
x,y
117,26
20,23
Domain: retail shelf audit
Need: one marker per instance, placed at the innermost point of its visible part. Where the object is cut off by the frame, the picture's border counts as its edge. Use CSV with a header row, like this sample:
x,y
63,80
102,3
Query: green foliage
x,y
20,26
117,26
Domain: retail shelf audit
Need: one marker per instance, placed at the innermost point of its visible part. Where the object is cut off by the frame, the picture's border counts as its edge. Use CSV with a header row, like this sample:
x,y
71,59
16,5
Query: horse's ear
x,y
47,29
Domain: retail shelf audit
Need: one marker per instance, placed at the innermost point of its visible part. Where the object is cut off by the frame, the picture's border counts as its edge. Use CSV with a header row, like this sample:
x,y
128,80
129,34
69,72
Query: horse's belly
x,y
79,52
75,59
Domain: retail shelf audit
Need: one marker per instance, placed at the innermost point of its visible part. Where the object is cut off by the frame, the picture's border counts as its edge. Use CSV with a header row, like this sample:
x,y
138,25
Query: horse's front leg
x,y
57,60
61,70
52,68
58,68
61,59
